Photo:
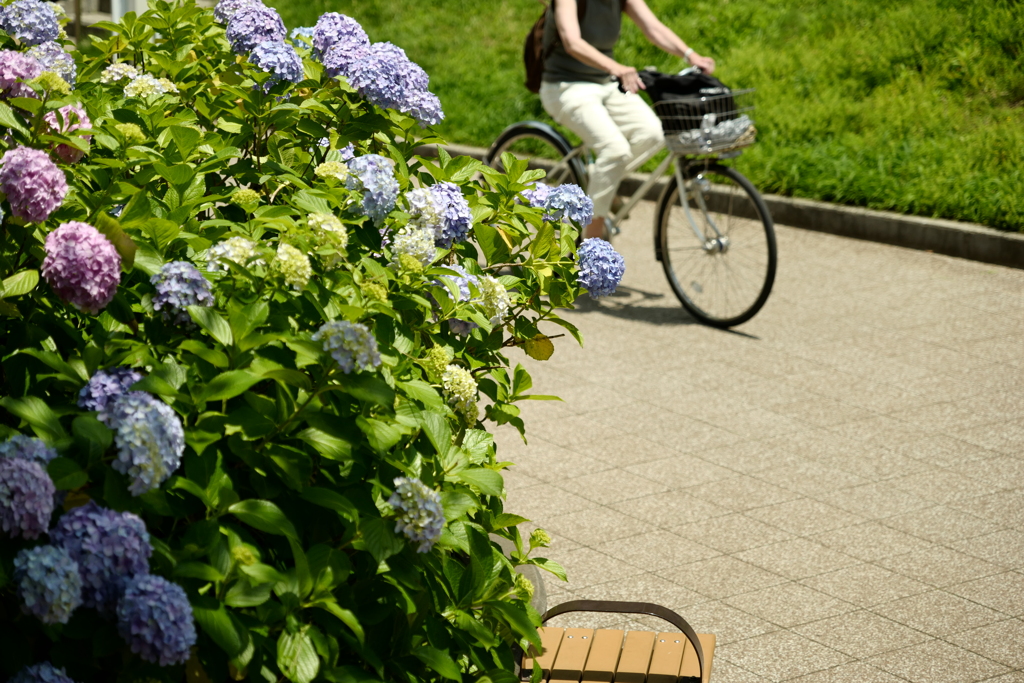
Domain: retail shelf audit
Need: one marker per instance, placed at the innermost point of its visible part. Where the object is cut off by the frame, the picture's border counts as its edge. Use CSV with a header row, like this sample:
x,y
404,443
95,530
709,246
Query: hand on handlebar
x,y
629,80
705,64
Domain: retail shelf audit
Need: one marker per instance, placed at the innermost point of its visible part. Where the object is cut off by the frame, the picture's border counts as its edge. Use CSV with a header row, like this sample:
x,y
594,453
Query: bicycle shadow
x,y
632,304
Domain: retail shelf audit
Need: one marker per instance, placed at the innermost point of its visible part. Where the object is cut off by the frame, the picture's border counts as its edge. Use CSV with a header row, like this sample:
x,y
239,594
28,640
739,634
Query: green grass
x,y
915,106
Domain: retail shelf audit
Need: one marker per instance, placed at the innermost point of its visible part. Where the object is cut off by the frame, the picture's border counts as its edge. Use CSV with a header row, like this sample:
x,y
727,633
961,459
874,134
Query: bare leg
x,y
595,229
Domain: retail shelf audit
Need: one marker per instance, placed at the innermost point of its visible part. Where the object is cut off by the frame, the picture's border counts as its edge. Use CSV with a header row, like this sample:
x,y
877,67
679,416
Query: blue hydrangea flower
x,y
537,195
30,21
41,673
569,202
418,512
601,267
226,9
386,77
462,282
302,32
104,387
334,29
155,618
456,217
278,59
53,58
149,438
374,176
348,152
180,284
49,584
26,498
109,547
27,448
425,107
351,345
253,24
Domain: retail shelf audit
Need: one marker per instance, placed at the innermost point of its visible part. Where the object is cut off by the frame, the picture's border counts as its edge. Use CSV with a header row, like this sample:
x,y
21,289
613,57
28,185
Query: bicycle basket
x,y
707,124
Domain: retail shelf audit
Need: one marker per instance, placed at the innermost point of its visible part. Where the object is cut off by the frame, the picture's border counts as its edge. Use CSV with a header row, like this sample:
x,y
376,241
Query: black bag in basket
x,y
677,98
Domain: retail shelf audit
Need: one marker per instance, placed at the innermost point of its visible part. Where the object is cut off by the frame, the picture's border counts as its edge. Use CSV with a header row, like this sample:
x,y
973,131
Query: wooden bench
x,y
583,655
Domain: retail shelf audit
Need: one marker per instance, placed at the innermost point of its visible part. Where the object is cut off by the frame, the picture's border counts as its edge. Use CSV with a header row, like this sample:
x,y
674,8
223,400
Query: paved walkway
x,y
836,489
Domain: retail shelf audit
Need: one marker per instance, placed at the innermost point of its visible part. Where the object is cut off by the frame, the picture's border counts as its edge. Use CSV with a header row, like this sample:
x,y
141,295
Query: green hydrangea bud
x,y
375,291
332,169
436,360
293,265
539,539
52,83
524,588
408,262
243,555
460,389
132,133
245,197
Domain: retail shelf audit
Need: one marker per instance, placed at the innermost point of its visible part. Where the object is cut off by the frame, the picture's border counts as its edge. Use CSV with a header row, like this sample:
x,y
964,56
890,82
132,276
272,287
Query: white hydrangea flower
x,y
294,265
332,169
236,249
415,241
145,85
117,72
328,227
460,390
494,299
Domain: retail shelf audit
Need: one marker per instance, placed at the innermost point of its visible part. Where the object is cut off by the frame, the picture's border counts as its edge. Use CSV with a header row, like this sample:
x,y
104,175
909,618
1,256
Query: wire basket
x,y
708,124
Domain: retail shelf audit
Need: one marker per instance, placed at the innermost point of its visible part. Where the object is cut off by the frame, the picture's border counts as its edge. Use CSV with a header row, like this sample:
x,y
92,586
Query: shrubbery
x,y
241,426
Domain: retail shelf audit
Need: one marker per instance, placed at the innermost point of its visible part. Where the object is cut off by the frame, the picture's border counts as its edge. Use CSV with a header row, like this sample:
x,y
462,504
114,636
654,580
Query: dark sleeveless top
x,y
600,27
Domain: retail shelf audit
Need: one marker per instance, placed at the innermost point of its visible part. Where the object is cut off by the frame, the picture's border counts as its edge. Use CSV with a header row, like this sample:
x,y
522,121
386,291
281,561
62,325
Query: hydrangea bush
x,y
252,348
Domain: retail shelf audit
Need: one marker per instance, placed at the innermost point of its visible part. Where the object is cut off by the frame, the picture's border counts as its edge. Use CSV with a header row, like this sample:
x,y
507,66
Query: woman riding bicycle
x,y
580,88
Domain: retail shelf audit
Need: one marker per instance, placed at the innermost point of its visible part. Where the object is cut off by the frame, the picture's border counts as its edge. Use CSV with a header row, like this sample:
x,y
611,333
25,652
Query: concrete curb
x,y
952,238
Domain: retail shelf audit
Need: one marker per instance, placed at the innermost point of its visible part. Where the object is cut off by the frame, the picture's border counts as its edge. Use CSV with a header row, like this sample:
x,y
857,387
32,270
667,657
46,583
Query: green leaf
x,y
331,500
366,387
10,120
197,570
328,445
506,519
210,320
455,504
265,516
37,414
185,138
345,616
539,348
242,594
380,539
296,657
215,358
549,565
291,377
488,481
519,620
19,284
91,432
438,431
231,636
228,385
179,174
381,435
439,661
111,229
66,474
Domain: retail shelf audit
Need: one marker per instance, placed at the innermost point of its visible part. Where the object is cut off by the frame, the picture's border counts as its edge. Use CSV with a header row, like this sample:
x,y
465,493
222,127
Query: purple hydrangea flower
x,y
425,107
27,448
52,57
49,584
302,32
30,21
82,266
26,498
16,70
351,345
340,58
41,673
348,152
149,438
104,387
180,284
386,77
34,186
601,267
418,512
455,214
537,196
67,120
374,176
110,547
278,59
226,9
155,618
251,25
333,29
571,202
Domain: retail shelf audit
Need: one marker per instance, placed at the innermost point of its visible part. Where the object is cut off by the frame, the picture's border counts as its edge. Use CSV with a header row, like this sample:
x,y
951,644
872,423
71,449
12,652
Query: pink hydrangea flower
x,y
82,266
72,117
34,186
16,69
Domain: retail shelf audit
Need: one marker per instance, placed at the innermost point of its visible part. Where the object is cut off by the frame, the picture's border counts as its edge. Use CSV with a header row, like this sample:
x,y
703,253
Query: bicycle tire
x,y
543,146
703,278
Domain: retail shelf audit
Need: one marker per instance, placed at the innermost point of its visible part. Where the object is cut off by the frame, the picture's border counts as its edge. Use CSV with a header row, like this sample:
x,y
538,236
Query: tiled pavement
x,y
836,490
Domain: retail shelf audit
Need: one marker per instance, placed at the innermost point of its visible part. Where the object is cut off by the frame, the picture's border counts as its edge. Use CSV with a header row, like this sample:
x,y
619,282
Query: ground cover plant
x,y
913,106
250,347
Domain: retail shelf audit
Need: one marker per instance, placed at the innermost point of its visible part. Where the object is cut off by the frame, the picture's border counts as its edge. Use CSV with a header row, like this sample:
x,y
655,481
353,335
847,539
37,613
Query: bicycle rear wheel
x,y
544,148
721,281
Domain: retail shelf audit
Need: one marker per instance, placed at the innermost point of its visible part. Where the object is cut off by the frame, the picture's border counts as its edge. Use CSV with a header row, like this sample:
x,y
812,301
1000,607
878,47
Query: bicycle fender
x,y
540,126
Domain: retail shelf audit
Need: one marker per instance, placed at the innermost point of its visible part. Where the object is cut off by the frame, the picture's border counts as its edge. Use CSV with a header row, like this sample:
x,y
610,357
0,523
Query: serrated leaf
x,y
488,481
296,657
241,594
212,323
19,284
380,539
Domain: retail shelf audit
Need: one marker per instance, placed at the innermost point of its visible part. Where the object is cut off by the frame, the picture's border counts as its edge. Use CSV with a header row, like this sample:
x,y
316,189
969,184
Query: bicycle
x,y
724,277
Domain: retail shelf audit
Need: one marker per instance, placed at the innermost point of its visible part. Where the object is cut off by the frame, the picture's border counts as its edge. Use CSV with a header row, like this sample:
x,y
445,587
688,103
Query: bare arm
x,y
569,30
662,36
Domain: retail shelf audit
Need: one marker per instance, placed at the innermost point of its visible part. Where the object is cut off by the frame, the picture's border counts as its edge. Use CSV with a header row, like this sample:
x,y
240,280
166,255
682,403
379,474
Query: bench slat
x,y
667,658
689,671
550,639
604,656
572,655
635,657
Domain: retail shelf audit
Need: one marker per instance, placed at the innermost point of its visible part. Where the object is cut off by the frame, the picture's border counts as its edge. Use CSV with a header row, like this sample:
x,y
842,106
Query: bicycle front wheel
x,y
722,277
544,149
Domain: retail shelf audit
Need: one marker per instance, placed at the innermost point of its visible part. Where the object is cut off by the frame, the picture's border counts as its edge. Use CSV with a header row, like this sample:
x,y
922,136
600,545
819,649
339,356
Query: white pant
x,y
619,127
